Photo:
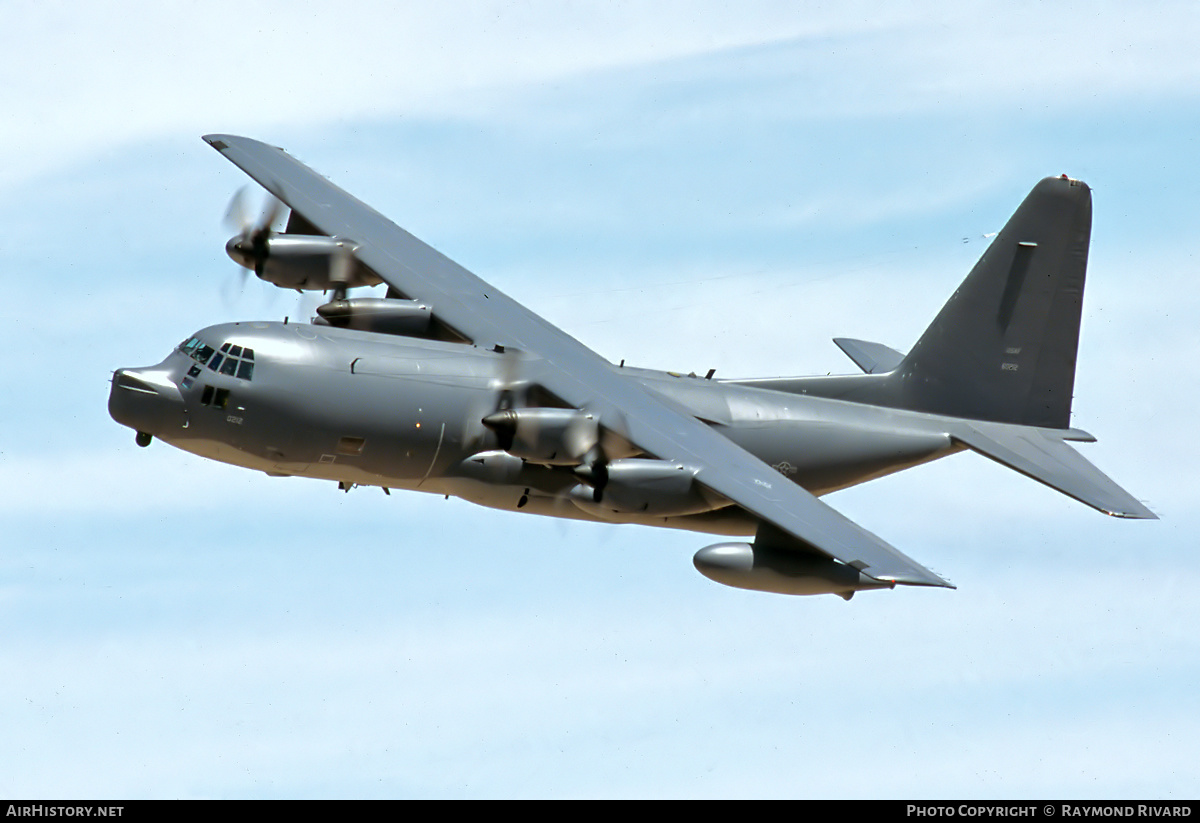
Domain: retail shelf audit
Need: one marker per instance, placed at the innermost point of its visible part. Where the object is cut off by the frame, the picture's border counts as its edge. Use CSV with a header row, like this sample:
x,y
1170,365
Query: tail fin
x,y
1003,348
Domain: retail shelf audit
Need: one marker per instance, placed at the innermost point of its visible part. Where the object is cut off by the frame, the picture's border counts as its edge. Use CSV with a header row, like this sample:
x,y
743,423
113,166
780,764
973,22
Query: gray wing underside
x,y
488,317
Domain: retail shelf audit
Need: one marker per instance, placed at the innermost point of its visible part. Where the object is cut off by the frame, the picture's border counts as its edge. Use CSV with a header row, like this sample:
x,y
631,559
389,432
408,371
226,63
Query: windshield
x,y
235,361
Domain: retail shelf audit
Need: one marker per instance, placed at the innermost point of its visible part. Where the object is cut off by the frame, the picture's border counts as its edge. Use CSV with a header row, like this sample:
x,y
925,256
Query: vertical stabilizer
x,y
1003,348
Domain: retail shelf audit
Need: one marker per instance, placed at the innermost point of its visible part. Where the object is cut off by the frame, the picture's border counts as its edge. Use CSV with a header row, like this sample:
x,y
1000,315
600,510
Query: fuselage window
x,y
191,377
217,398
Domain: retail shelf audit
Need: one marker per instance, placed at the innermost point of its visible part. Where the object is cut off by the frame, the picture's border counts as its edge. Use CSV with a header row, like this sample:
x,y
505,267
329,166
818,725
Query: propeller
x,y
573,437
249,247
597,444
594,474
512,385
512,392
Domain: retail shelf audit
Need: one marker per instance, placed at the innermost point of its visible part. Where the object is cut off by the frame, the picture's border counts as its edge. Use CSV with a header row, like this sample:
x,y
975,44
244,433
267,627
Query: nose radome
x,y
145,400
128,379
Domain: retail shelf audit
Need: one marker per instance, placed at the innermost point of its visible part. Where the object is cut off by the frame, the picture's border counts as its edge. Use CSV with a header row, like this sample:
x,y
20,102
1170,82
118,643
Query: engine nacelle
x,y
657,488
745,566
494,467
301,261
378,314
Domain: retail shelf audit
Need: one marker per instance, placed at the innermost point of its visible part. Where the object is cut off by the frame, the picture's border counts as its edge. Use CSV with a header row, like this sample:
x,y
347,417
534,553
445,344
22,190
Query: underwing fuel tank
x,y
383,315
745,566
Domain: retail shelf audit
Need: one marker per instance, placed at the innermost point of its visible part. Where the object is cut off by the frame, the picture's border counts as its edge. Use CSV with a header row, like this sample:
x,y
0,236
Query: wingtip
x,y
1139,514
931,581
1130,509
224,142
929,584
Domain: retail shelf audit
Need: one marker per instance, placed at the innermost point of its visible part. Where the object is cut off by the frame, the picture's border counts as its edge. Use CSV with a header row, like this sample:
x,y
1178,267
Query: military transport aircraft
x,y
449,386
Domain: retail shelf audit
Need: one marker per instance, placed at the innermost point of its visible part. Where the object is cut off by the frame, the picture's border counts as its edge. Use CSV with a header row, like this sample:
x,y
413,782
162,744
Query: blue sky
x,y
685,186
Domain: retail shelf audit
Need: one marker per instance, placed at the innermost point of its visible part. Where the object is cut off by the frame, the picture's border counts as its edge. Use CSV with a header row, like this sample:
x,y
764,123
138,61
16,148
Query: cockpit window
x,y
202,353
235,361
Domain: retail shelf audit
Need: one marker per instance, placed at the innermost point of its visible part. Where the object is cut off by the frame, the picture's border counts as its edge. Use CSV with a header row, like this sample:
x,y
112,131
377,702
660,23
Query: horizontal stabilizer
x,y
873,358
1044,455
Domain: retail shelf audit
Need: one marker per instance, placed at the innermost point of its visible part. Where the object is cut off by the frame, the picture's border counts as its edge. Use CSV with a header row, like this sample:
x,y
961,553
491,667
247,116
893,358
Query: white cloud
x,y
81,78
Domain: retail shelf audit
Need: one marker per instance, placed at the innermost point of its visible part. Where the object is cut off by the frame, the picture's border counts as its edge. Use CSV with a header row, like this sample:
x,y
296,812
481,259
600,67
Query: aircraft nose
x,y
147,401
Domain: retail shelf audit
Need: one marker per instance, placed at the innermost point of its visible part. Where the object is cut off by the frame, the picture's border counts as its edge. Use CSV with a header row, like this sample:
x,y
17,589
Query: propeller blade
x,y
237,216
249,247
511,384
583,435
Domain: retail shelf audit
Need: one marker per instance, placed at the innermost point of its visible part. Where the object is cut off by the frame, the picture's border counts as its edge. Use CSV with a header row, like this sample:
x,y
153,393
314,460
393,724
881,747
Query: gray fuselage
x,y
404,413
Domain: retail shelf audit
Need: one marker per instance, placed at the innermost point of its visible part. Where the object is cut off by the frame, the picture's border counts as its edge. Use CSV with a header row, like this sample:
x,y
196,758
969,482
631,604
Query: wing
x,y
488,317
